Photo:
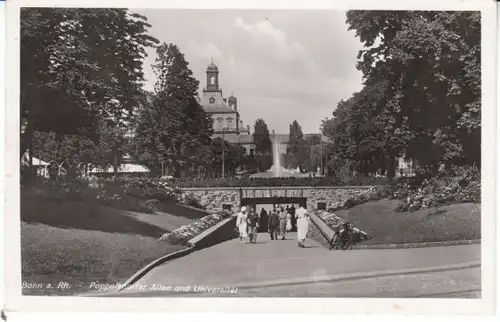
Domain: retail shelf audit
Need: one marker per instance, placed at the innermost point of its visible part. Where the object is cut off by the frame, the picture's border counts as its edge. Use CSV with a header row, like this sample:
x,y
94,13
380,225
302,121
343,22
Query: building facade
x,y
227,123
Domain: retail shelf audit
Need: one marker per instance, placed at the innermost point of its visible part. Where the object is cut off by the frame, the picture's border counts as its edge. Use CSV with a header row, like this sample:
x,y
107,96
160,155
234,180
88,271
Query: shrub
x,y
150,206
373,194
190,200
460,184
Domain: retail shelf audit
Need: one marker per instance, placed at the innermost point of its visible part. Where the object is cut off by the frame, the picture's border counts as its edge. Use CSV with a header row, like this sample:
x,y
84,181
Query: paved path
x,y
234,264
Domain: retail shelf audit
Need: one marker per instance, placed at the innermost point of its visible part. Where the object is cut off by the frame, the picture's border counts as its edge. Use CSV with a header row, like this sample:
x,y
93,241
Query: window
x,y
212,80
212,100
220,123
229,122
251,152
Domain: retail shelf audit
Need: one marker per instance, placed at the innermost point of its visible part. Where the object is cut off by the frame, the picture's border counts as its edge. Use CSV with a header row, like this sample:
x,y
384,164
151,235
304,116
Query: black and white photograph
x,y
226,152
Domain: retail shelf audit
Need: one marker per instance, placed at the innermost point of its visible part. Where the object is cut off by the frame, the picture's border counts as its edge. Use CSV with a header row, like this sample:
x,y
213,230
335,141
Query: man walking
x,y
273,225
294,220
253,224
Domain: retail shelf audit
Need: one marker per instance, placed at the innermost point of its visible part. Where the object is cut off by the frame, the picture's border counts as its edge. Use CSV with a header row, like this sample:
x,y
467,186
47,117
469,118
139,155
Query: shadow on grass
x,y
182,210
84,215
433,212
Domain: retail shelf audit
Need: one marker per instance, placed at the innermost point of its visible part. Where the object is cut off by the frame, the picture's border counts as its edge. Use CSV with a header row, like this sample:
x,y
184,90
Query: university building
x,y
227,122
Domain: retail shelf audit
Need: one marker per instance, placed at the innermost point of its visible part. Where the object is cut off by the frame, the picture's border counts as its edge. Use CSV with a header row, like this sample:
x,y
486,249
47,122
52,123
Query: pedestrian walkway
x,y
232,263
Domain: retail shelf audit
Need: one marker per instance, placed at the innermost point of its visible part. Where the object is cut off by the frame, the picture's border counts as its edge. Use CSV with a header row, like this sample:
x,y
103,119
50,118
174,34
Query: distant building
x,y
227,123
284,139
128,167
405,168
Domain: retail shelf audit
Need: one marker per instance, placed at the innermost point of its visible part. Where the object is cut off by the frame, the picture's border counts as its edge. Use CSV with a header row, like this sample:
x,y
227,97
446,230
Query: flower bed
x,y
460,185
154,191
373,194
335,222
183,234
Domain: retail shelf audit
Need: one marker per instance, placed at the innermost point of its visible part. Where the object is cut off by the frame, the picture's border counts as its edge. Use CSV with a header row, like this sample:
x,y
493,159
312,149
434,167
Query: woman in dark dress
x,y
263,220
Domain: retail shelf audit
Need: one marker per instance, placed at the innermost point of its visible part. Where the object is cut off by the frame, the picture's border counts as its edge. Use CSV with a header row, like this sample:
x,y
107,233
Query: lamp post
x,y
223,152
321,155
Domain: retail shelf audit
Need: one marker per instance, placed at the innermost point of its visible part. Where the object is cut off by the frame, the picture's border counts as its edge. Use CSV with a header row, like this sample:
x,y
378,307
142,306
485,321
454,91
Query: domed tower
x,y
212,78
233,102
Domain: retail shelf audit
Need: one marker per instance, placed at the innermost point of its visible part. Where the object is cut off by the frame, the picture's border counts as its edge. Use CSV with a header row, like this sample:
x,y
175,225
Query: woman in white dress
x,y
302,225
288,221
241,224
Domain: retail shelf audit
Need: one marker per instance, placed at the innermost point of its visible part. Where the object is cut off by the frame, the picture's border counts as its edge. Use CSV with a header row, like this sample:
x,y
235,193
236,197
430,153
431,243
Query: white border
x,y
2,140
16,302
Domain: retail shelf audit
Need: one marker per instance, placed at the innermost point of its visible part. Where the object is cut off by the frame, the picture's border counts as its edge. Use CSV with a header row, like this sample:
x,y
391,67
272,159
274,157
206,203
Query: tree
x,y
362,132
298,148
421,90
261,137
234,156
295,137
172,127
69,84
157,130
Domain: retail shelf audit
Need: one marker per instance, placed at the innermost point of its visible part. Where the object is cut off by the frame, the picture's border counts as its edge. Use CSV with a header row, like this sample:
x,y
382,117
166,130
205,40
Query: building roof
x,y
218,108
35,161
124,168
240,139
283,138
212,67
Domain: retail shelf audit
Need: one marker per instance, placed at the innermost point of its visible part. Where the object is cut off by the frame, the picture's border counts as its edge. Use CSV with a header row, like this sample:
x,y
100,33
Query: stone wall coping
x,y
276,188
204,234
322,227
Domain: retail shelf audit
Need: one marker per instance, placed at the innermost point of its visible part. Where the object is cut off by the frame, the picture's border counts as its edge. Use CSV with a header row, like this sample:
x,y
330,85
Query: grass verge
x,y
76,258
385,226
72,244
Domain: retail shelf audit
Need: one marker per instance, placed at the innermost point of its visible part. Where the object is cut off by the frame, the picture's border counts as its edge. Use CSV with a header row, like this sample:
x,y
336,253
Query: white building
x,y
227,122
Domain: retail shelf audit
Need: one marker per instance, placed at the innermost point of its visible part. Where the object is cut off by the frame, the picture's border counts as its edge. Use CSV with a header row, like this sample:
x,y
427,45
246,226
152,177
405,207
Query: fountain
x,y
277,170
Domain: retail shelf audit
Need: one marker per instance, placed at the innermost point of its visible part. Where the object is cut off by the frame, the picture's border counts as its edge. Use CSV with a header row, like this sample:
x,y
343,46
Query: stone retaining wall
x,y
214,198
225,230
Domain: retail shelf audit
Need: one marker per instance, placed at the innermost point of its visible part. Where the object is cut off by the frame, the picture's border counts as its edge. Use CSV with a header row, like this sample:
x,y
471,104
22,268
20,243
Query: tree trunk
x,y
391,170
115,163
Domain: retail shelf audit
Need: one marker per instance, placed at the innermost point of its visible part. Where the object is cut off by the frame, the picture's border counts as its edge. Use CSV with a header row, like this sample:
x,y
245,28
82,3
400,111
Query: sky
x,y
282,65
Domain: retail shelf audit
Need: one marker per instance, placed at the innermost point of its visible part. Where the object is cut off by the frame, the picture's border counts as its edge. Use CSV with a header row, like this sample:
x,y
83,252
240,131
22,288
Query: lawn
x,y
80,242
385,226
79,257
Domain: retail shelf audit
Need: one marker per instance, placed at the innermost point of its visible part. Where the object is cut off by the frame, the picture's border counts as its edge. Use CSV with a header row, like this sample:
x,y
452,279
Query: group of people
x,y
278,223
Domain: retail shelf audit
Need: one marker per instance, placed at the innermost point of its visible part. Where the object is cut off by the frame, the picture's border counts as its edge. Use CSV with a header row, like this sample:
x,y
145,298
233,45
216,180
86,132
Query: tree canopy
x,y
172,127
81,68
261,137
421,94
